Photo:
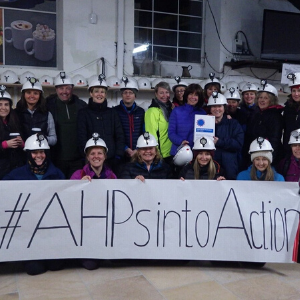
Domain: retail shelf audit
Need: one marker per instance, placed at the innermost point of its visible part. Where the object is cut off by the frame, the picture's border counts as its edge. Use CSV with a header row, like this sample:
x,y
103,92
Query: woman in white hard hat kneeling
x,y
147,162
203,166
38,167
261,157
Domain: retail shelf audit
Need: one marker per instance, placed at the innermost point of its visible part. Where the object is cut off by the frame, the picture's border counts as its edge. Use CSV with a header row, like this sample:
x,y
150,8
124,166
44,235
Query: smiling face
x,y
4,109
261,163
162,95
96,156
217,111
296,150
296,94
98,94
249,97
32,97
263,100
179,91
147,154
232,105
38,156
203,158
192,99
64,92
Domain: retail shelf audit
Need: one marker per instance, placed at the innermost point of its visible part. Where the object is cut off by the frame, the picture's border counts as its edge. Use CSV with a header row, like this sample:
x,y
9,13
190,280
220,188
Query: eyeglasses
x,y
179,91
128,93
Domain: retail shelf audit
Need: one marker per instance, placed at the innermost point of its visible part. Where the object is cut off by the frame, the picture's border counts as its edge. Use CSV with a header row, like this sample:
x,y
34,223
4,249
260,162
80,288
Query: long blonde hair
x,y
211,169
269,173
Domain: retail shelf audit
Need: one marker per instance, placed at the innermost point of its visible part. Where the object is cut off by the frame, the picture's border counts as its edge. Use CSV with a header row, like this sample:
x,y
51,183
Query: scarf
x,y
165,107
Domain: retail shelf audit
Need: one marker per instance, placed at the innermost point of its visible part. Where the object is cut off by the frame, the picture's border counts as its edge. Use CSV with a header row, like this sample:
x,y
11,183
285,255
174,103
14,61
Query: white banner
x,y
158,219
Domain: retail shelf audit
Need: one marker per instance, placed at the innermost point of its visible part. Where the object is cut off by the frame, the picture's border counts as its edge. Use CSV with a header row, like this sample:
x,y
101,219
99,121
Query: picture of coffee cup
x,y
43,43
19,30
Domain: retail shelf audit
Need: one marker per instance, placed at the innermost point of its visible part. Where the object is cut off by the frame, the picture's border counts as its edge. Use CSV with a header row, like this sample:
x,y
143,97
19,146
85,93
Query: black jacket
x,y
97,117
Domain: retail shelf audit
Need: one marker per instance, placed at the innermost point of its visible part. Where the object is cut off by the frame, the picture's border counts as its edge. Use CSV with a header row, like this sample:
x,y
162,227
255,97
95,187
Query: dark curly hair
x,y
194,88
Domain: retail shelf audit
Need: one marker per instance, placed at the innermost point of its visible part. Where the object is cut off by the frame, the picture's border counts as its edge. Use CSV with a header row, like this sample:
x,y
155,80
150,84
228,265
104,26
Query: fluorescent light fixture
x,y
140,48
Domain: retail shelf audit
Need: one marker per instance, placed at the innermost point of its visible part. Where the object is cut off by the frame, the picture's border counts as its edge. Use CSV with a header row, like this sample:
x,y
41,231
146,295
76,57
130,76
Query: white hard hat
x,y
278,87
269,88
113,81
216,99
204,143
233,84
179,83
183,156
62,79
95,141
295,137
286,89
144,83
32,84
145,104
146,140
46,80
241,85
294,79
9,77
25,76
98,82
128,83
260,144
232,93
79,80
155,82
223,87
248,86
210,80
4,94
36,142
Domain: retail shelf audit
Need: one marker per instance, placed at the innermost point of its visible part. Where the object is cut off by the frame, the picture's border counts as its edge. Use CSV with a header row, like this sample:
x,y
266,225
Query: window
x,y
172,28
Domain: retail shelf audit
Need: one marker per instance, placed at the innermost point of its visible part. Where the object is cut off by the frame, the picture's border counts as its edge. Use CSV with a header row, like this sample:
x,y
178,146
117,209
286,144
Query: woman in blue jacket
x,y
182,119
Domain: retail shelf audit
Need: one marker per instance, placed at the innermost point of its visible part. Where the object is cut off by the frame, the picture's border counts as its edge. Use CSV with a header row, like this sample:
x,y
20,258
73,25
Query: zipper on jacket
x,y
67,111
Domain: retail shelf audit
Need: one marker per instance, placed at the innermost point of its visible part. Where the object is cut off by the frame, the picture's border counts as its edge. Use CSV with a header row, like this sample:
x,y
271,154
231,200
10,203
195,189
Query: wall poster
x,y
28,33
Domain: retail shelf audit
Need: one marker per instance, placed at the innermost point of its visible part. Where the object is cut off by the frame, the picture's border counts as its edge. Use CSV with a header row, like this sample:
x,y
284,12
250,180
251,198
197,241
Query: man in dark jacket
x,y
64,106
131,116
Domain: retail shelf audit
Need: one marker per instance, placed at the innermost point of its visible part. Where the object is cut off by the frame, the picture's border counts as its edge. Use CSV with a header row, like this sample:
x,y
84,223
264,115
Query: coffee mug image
x,y
42,44
20,30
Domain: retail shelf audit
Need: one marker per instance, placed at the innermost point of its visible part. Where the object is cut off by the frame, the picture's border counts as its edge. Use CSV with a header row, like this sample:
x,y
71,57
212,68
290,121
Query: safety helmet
x,y
294,79
216,99
113,81
95,141
46,80
128,83
112,102
233,94
9,77
183,155
249,87
223,87
146,140
155,82
144,84
145,104
233,84
4,95
211,79
179,83
278,87
98,82
79,80
295,137
63,79
269,88
25,76
241,85
286,89
204,143
36,142
260,144
32,84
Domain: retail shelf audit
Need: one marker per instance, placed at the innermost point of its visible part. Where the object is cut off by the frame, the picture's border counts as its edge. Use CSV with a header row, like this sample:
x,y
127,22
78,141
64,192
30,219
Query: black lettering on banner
x,y
232,227
251,231
271,228
164,226
113,222
208,228
15,210
286,211
148,232
263,222
55,196
275,230
157,227
186,211
94,217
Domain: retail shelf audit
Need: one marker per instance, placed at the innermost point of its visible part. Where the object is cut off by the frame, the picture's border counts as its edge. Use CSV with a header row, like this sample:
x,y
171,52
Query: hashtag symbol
x,y
9,224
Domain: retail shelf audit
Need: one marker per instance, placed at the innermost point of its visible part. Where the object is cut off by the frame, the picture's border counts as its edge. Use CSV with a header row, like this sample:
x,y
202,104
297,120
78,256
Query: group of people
x,y
63,137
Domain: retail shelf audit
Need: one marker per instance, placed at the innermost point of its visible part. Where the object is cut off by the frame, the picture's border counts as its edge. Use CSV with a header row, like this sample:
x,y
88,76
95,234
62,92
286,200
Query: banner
x,y
157,219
